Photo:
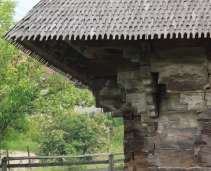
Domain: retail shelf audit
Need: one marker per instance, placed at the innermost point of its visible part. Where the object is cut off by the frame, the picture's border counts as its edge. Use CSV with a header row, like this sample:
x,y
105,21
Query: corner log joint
x,y
166,109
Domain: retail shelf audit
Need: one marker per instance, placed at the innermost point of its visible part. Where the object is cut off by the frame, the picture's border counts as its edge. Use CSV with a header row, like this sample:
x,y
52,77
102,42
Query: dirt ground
x,y
21,154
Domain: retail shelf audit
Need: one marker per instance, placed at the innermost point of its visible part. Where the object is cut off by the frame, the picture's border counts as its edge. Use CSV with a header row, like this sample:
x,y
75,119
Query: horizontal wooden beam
x,y
64,157
122,44
198,42
112,44
57,164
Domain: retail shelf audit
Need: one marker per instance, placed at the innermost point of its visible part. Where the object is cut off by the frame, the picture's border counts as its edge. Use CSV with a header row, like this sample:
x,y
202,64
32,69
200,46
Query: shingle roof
x,y
124,18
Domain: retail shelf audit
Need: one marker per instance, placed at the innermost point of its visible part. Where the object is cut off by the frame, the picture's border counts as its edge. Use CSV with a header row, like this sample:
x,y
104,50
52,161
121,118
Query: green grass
x,y
117,139
46,169
22,146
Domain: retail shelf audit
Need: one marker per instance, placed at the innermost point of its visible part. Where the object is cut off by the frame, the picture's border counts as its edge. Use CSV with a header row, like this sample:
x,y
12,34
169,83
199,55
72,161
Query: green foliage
x,y
6,15
22,92
32,138
16,81
72,132
58,95
16,91
117,138
28,95
115,121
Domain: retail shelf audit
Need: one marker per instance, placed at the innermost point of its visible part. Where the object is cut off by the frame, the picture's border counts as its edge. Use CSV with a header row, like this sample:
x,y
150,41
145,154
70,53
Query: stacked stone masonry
x,y
175,84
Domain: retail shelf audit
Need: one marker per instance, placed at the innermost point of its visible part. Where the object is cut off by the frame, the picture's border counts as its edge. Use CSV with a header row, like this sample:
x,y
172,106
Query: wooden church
x,y
147,61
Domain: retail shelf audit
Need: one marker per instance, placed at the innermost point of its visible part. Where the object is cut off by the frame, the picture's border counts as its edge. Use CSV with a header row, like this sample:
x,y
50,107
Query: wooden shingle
x,y
78,18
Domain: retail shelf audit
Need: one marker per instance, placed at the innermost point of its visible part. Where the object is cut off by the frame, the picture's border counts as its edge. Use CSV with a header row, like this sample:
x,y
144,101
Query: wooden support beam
x,y
113,44
199,42
58,164
122,44
63,66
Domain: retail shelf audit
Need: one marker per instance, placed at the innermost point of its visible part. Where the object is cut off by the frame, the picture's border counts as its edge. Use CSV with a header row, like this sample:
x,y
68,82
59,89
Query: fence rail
x,y
111,161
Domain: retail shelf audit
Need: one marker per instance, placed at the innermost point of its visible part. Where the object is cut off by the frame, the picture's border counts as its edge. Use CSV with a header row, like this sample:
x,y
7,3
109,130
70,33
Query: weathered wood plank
x,y
205,154
179,169
67,156
172,158
174,142
195,101
181,69
205,115
121,44
57,164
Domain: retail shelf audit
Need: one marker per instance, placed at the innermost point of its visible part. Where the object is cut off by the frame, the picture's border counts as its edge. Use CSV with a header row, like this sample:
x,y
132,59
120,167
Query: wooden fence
x,y
61,161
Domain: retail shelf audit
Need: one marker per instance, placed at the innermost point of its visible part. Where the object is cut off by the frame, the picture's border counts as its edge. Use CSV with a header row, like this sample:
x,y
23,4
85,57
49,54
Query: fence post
x,y
4,164
8,157
27,147
111,162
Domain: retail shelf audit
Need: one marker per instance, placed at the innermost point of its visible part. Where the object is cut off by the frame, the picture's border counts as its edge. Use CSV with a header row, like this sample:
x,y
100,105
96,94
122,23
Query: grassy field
x,y
22,146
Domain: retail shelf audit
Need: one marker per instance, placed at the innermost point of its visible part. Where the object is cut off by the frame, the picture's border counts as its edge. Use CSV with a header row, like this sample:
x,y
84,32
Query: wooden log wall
x,y
166,109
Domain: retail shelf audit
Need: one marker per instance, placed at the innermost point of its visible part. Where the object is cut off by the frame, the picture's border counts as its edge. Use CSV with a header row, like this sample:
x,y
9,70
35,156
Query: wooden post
x,y
28,153
4,164
111,162
51,150
8,157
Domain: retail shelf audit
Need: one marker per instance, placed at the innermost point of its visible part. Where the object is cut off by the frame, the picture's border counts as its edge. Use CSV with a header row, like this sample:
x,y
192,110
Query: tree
x,y
57,95
62,129
15,84
72,132
23,92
